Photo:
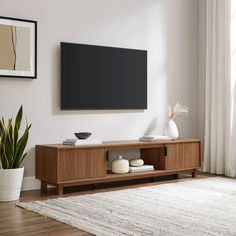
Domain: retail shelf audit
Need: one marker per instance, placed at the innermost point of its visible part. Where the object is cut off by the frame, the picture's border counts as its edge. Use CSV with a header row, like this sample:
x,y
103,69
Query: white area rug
x,y
194,207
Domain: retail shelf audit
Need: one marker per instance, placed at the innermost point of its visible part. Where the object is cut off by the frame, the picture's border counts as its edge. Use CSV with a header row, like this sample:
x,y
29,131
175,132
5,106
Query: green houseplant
x,y
12,147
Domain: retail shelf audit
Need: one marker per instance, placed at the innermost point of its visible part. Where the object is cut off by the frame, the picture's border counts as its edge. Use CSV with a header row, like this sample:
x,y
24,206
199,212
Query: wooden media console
x,y
62,165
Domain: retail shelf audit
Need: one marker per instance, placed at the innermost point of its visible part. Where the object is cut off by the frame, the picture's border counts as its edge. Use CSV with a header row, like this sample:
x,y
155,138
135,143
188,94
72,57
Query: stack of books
x,y
151,138
77,142
143,168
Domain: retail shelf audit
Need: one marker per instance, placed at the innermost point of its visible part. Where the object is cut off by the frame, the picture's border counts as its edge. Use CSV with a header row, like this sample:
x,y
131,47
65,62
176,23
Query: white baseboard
x,y
30,183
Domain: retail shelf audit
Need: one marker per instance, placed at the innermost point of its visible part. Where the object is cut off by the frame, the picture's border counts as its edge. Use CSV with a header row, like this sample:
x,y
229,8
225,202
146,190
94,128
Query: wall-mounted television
x,y
100,77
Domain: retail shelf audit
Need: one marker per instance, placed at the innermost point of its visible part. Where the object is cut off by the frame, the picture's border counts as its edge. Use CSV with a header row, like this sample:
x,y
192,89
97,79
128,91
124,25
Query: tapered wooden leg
x,y
194,174
44,188
94,186
176,176
60,189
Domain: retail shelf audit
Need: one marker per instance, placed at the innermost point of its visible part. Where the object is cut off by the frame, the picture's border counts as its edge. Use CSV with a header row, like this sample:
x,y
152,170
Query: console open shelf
x,y
62,165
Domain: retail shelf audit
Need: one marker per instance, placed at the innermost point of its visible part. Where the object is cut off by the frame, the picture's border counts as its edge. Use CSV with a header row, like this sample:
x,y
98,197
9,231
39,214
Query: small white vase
x,y
120,165
10,184
171,130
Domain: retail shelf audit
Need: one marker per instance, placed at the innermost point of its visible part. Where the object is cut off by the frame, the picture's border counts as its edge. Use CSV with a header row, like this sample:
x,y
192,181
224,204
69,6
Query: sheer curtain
x,y
220,112
230,169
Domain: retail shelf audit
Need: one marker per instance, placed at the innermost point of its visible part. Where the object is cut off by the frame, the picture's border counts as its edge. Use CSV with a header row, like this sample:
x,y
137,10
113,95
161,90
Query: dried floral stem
x,y
177,110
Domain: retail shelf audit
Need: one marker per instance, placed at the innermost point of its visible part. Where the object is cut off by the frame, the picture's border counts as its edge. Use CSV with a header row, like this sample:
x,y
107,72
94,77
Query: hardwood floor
x,y
20,222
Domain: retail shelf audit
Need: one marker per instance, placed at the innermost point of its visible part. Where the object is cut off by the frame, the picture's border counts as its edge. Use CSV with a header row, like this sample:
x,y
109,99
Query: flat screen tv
x,y
98,77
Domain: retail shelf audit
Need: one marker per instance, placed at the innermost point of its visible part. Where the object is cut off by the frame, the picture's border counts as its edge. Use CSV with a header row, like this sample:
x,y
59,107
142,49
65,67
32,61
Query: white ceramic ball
x,y
136,162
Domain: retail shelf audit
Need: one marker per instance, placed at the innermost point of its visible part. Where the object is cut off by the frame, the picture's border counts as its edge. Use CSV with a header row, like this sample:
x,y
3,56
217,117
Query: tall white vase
x,y
171,130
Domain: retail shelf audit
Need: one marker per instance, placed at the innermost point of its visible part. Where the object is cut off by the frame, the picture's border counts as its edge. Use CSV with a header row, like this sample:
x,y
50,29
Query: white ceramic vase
x,y
10,184
171,130
120,166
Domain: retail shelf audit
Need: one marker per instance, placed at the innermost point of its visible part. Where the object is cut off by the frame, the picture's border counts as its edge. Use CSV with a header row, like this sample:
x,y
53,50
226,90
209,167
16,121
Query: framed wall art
x,y
18,48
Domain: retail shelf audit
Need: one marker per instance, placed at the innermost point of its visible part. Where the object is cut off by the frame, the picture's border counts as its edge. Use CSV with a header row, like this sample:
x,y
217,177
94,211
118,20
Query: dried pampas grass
x,y
177,110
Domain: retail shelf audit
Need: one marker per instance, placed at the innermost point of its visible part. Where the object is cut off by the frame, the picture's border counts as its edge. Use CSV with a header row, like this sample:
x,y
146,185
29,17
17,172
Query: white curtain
x,y
220,112
230,169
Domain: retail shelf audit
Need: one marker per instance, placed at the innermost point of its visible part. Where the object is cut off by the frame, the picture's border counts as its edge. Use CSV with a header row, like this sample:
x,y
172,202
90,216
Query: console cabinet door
x,y
171,158
182,155
189,155
80,163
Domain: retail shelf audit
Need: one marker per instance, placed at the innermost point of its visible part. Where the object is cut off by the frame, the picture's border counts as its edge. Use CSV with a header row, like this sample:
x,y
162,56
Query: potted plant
x,y
171,129
12,147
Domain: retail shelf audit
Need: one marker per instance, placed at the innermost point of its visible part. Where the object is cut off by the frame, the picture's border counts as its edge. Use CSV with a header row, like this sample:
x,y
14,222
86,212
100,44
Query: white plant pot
x,y
171,130
10,183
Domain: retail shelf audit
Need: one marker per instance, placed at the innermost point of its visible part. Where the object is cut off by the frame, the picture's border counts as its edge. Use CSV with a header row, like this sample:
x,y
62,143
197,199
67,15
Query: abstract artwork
x,y
18,48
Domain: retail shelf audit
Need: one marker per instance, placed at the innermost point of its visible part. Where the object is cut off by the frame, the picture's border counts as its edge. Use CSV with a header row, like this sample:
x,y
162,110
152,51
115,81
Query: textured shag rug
x,y
193,207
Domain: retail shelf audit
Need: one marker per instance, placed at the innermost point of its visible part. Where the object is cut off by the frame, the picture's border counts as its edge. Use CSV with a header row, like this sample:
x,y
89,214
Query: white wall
x,y
167,29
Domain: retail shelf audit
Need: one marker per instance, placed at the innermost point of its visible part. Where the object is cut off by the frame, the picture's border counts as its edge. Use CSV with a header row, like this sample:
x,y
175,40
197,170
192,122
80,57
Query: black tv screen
x,y
98,77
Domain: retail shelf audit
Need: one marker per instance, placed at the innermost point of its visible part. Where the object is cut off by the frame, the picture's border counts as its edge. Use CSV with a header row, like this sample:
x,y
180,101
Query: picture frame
x,y
18,47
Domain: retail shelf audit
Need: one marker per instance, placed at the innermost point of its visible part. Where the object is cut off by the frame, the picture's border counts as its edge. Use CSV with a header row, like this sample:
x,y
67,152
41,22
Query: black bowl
x,y
83,135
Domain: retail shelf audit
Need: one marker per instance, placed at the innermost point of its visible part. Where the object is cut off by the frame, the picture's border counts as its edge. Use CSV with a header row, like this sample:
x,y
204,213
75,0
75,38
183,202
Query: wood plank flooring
x,y
20,222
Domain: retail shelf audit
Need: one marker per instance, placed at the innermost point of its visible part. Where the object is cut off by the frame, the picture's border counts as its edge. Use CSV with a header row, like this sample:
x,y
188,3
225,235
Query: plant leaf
x,y
9,144
2,128
19,118
3,121
20,160
15,139
4,160
21,147
17,127
10,129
